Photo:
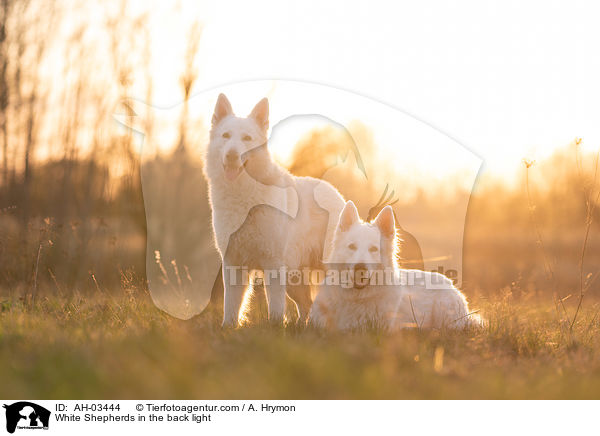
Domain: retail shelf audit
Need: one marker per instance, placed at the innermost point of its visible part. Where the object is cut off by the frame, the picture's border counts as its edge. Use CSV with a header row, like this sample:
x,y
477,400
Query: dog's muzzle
x,y
360,276
233,164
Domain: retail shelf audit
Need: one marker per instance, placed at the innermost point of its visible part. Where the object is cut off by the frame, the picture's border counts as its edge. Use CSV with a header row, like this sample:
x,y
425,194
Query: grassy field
x,y
84,200
121,346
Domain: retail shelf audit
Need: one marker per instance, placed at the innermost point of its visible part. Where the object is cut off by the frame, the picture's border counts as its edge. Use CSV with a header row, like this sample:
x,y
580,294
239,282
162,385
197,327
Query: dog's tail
x,y
471,320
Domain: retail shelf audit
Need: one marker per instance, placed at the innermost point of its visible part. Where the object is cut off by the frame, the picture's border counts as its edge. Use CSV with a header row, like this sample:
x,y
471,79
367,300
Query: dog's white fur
x,y
362,248
263,217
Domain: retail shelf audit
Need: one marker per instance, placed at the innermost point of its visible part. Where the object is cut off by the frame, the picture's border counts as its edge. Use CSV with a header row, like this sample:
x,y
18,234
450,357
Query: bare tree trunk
x,y
4,10
29,148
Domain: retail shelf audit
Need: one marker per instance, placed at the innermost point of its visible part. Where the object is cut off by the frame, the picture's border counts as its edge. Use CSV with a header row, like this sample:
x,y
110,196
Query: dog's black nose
x,y
232,156
360,267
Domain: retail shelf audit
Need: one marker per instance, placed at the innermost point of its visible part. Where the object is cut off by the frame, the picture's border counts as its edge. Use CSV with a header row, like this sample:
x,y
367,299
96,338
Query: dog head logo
x,y
394,164
26,415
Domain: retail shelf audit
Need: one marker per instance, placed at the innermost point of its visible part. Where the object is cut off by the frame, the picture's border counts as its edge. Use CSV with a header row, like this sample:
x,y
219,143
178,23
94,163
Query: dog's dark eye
x,y
226,135
373,249
352,247
247,138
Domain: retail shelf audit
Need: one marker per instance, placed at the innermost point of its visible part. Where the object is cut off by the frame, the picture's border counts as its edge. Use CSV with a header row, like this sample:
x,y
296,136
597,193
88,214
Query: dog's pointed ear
x,y
260,114
385,222
348,217
222,109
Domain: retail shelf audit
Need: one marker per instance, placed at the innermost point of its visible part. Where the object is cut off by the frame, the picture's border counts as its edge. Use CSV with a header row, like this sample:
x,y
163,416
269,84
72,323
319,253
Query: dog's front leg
x,y
234,294
276,301
301,296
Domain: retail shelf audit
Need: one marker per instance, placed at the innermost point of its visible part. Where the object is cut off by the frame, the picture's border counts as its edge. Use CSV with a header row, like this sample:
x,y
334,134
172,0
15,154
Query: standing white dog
x,y
369,289
264,218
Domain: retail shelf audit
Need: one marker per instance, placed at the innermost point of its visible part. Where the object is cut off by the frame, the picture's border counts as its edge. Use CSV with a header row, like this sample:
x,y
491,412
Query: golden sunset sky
x,y
510,81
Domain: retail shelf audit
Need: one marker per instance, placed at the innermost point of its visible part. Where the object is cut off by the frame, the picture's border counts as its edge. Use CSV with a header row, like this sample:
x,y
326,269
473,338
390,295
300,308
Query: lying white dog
x,y
369,289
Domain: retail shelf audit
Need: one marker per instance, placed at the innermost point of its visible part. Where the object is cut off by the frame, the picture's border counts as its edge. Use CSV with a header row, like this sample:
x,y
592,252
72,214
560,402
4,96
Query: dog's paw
x,y
229,325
